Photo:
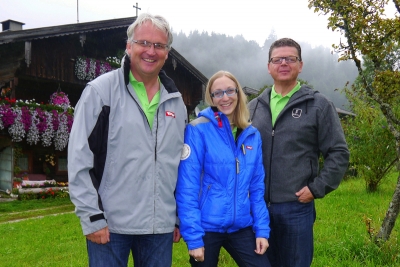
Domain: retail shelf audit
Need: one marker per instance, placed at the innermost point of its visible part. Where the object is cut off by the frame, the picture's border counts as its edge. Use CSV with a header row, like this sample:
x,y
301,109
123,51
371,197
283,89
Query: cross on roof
x,y
137,7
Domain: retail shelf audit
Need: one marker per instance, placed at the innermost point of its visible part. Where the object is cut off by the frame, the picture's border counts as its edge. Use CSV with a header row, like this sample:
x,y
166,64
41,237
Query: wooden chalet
x,y
250,91
37,62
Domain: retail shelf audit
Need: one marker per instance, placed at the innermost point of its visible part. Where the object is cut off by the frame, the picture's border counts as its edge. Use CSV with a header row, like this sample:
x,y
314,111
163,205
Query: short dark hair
x,y
285,42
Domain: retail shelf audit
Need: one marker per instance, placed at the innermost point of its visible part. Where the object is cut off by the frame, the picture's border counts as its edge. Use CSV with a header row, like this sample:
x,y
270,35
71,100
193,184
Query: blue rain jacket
x,y
220,184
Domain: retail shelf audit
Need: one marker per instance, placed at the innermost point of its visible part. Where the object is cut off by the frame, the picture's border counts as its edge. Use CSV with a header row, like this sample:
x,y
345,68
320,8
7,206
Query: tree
x,y
368,132
248,61
371,144
367,31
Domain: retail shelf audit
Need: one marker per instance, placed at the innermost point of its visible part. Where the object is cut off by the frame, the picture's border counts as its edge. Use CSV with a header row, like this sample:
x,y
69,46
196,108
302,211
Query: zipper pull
x,y
218,119
237,165
273,132
243,149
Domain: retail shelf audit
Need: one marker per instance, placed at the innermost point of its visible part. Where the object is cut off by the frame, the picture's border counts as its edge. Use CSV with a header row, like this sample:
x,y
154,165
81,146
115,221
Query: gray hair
x,y
158,21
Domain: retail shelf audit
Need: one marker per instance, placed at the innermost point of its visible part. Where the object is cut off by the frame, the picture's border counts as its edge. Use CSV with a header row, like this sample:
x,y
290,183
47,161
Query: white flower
x,y
37,130
33,133
91,74
62,135
85,68
1,121
48,134
80,68
16,130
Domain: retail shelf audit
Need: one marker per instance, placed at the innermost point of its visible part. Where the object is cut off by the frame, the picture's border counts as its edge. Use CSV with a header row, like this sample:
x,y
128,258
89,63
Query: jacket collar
x,y
168,83
305,92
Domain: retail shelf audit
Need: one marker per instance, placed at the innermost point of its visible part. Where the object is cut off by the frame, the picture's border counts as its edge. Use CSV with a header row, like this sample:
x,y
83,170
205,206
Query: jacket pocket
x,y
204,196
312,176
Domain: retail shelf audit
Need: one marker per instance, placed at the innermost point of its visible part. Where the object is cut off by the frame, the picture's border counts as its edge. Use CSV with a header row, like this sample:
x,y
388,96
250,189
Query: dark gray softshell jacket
x,y
307,127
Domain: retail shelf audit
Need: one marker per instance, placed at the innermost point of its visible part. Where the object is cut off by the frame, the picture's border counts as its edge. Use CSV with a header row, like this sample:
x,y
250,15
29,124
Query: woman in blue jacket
x,y
220,188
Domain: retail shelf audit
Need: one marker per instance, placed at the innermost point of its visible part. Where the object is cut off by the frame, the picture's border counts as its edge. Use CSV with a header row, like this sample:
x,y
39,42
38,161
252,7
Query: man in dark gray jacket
x,y
124,151
297,125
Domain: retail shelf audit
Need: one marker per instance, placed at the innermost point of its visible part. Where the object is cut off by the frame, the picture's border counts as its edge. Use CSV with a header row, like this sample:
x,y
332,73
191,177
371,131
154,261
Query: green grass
x,y
345,218
18,210
341,236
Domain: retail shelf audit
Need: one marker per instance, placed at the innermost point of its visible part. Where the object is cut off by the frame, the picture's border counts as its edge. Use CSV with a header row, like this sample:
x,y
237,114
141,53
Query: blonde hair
x,y
241,113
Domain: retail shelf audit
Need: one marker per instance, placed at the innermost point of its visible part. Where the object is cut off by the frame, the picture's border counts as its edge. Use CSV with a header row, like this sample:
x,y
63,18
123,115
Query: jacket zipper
x,y
269,171
205,196
288,105
155,160
155,147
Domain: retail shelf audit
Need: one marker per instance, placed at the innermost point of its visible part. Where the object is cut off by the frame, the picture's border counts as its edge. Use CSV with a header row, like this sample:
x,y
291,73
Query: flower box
x,y
45,123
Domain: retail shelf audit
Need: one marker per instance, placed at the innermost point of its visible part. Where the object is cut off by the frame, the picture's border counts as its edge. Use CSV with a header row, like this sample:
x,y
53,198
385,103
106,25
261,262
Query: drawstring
x,y
218,119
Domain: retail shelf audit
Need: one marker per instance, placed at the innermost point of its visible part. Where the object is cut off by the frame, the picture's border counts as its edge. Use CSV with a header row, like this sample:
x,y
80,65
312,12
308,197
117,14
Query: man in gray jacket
x,y
124,151
297,125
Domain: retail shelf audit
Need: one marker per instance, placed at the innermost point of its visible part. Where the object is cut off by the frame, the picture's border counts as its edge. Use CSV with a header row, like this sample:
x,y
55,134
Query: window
x,y
24,161
62,163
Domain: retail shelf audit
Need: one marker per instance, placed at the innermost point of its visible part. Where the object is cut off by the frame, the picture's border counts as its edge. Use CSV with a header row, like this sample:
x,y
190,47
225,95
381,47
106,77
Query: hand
x,y
177,235
197,254
100,237
304,195
261,245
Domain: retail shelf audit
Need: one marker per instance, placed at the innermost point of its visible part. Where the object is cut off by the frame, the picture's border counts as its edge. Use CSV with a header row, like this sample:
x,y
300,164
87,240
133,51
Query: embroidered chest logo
x,y
170,114
249,147
296,113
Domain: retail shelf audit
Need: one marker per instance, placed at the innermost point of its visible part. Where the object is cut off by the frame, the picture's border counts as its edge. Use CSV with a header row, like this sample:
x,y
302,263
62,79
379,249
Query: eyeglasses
x,y
220,93
147,44
279,60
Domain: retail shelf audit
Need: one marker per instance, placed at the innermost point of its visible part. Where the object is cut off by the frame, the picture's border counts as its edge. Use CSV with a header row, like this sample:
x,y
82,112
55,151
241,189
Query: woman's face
x,y
226,104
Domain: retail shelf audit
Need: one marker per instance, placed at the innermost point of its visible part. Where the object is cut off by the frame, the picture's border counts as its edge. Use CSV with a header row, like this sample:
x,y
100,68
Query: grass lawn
x,y
344,219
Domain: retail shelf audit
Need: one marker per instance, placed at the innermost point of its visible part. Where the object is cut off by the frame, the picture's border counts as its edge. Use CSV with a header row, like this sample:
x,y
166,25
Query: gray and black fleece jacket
x,y
122,173
306,128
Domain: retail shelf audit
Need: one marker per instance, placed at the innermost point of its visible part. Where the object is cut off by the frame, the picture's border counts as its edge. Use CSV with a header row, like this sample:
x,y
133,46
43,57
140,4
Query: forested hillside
x,y
248,62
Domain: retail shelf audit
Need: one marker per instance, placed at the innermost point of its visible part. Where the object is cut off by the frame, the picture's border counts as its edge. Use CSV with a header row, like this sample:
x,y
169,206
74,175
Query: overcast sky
x,y
254,19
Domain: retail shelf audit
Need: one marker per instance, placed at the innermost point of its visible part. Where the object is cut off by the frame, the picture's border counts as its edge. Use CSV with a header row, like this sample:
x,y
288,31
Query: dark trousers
x,y
240,245
291,242
153,250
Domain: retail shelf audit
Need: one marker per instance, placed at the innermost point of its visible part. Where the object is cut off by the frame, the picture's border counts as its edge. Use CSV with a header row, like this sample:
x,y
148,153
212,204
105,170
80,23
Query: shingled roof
x,y
79,28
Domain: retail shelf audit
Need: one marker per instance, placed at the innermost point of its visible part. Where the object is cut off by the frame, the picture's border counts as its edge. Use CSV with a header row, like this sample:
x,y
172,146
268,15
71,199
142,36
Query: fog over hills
x,y
248,62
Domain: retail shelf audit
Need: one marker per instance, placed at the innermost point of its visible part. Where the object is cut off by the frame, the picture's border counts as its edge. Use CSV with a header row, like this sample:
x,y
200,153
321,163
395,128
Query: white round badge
x,y
185,152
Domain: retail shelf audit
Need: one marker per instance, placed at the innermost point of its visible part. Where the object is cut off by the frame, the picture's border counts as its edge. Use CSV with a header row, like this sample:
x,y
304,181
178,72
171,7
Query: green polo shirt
x,y
234,131
278,102
148,108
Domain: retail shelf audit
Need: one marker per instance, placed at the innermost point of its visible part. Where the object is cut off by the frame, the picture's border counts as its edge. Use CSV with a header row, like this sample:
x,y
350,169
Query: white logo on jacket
x,y
185,152
296,113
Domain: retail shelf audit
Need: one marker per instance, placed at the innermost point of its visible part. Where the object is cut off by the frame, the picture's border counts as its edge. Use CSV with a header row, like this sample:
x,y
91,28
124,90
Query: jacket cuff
x,y
97,217
309,187
195,244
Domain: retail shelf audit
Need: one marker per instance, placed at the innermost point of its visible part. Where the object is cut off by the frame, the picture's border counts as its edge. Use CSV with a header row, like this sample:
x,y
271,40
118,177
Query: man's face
x,y
285,72
146,62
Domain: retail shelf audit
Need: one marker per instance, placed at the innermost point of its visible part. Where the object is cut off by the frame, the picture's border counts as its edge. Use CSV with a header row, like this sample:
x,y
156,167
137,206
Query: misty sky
x,y
254,19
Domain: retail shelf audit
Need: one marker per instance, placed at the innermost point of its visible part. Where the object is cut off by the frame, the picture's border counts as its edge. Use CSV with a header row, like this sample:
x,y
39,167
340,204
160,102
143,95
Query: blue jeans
x,y
147,250
240,245
291,241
